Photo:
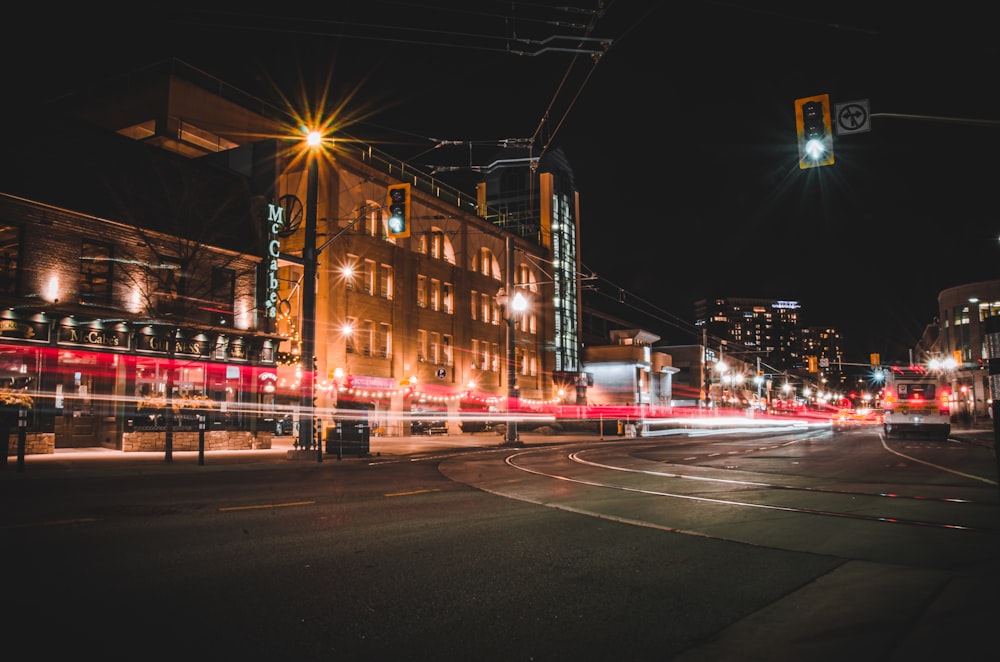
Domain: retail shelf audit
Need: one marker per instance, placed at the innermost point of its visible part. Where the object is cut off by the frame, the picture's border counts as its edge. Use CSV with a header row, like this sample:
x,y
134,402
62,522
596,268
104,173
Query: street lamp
x,y
513,303
307,402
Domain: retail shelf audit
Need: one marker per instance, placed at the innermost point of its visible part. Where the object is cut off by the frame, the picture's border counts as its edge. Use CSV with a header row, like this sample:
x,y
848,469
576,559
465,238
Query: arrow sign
x,y
852,117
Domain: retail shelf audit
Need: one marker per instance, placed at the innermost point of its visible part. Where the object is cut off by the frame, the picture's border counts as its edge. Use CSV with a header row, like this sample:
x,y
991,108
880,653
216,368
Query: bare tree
x,y
197,234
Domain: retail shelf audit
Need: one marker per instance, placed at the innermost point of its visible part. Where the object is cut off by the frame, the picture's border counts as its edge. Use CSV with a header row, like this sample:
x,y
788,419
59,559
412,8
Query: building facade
x,y
768,327
961,337
411,327
105,343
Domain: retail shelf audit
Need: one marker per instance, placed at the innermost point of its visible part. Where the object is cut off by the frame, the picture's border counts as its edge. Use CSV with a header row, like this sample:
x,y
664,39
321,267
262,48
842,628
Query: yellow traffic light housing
x,y
399,211
814,130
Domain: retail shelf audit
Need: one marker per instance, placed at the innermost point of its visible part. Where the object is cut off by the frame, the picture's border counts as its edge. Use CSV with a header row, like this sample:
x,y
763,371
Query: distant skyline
x,y
680,132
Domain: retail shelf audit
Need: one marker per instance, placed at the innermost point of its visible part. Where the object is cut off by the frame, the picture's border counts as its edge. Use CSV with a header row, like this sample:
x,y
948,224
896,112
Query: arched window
x,y
435,243
486,263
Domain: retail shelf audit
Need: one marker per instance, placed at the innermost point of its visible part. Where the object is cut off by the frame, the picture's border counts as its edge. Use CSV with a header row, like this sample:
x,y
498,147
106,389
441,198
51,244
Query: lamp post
x,y
508,299
307,401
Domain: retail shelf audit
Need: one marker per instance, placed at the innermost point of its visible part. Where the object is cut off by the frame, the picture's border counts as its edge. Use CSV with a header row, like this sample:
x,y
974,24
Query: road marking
x,y
60,522
395,494
885,445
268,505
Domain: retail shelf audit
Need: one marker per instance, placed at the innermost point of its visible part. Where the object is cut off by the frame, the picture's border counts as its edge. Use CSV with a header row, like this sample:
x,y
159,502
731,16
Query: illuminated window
x,y
421,291
435,345
435,293
383,340
494,310
370,222
447,357
385,281
367,277
436,244
486,264
421,345
366,337
447,304
485,304
352,324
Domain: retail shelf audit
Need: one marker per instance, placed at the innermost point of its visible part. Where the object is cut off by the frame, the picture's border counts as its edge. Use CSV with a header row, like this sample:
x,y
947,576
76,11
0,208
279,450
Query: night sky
x,y
681,132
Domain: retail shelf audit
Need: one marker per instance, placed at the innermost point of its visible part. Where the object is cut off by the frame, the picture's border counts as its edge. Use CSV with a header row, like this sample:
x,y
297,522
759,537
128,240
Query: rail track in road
x,y
853,496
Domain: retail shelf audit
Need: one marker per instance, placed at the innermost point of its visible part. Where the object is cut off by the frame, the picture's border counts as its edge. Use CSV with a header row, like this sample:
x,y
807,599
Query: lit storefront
x,y
110,384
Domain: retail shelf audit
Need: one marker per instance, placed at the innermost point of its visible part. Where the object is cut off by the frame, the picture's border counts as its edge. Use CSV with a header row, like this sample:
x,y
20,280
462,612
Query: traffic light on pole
x,y
399,211
815,133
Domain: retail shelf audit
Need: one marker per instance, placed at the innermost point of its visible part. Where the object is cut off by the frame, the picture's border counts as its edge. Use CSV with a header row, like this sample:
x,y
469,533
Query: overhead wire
x,y
384,31
394,33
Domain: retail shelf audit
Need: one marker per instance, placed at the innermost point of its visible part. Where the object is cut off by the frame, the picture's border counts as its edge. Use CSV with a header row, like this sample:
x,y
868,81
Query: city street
x,y
546,552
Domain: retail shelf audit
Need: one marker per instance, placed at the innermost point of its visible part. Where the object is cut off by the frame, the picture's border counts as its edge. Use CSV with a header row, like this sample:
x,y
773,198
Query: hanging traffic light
x,y
399,211
815,133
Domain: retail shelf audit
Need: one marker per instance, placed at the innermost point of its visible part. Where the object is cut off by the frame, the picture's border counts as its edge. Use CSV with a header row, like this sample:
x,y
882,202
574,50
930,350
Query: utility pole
x,y
511,439
307,401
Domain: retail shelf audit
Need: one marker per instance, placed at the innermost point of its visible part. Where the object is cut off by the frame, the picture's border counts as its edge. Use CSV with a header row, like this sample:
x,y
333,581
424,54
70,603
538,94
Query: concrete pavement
x,y
76,461
283,451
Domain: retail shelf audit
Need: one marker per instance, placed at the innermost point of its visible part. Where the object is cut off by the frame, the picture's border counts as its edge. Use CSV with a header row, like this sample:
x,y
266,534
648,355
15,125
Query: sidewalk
x,y
76,461
283,451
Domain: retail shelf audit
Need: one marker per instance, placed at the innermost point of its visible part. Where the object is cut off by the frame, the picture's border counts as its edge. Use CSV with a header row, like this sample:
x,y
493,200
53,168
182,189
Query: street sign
x,y
852,117
824,362
441,373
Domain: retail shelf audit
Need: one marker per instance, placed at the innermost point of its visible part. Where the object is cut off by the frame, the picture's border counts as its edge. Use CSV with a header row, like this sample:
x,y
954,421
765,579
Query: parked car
x,y
422,426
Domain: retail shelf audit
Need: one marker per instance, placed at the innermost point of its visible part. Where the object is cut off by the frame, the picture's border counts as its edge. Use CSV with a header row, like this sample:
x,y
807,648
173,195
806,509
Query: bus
x,y
915,401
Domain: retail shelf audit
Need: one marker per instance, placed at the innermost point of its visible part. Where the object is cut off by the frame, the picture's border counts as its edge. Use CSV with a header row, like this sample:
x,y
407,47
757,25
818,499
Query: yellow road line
x,y
394,494
60,522
269,505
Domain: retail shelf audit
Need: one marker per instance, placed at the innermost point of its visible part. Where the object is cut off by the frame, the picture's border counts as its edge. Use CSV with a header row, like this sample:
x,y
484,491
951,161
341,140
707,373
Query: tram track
x,y
716,490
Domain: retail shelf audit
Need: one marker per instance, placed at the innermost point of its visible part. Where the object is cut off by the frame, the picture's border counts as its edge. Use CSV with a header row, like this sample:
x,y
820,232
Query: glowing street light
x,y
512,305
307,395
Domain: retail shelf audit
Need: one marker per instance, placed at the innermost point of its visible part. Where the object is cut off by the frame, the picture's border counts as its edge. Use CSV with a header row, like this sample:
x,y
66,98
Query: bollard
x,y
319,440
201,439
22,437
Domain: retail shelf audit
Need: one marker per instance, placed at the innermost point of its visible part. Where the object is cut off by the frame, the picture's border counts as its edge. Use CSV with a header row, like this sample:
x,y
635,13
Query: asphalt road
x,y
455,553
